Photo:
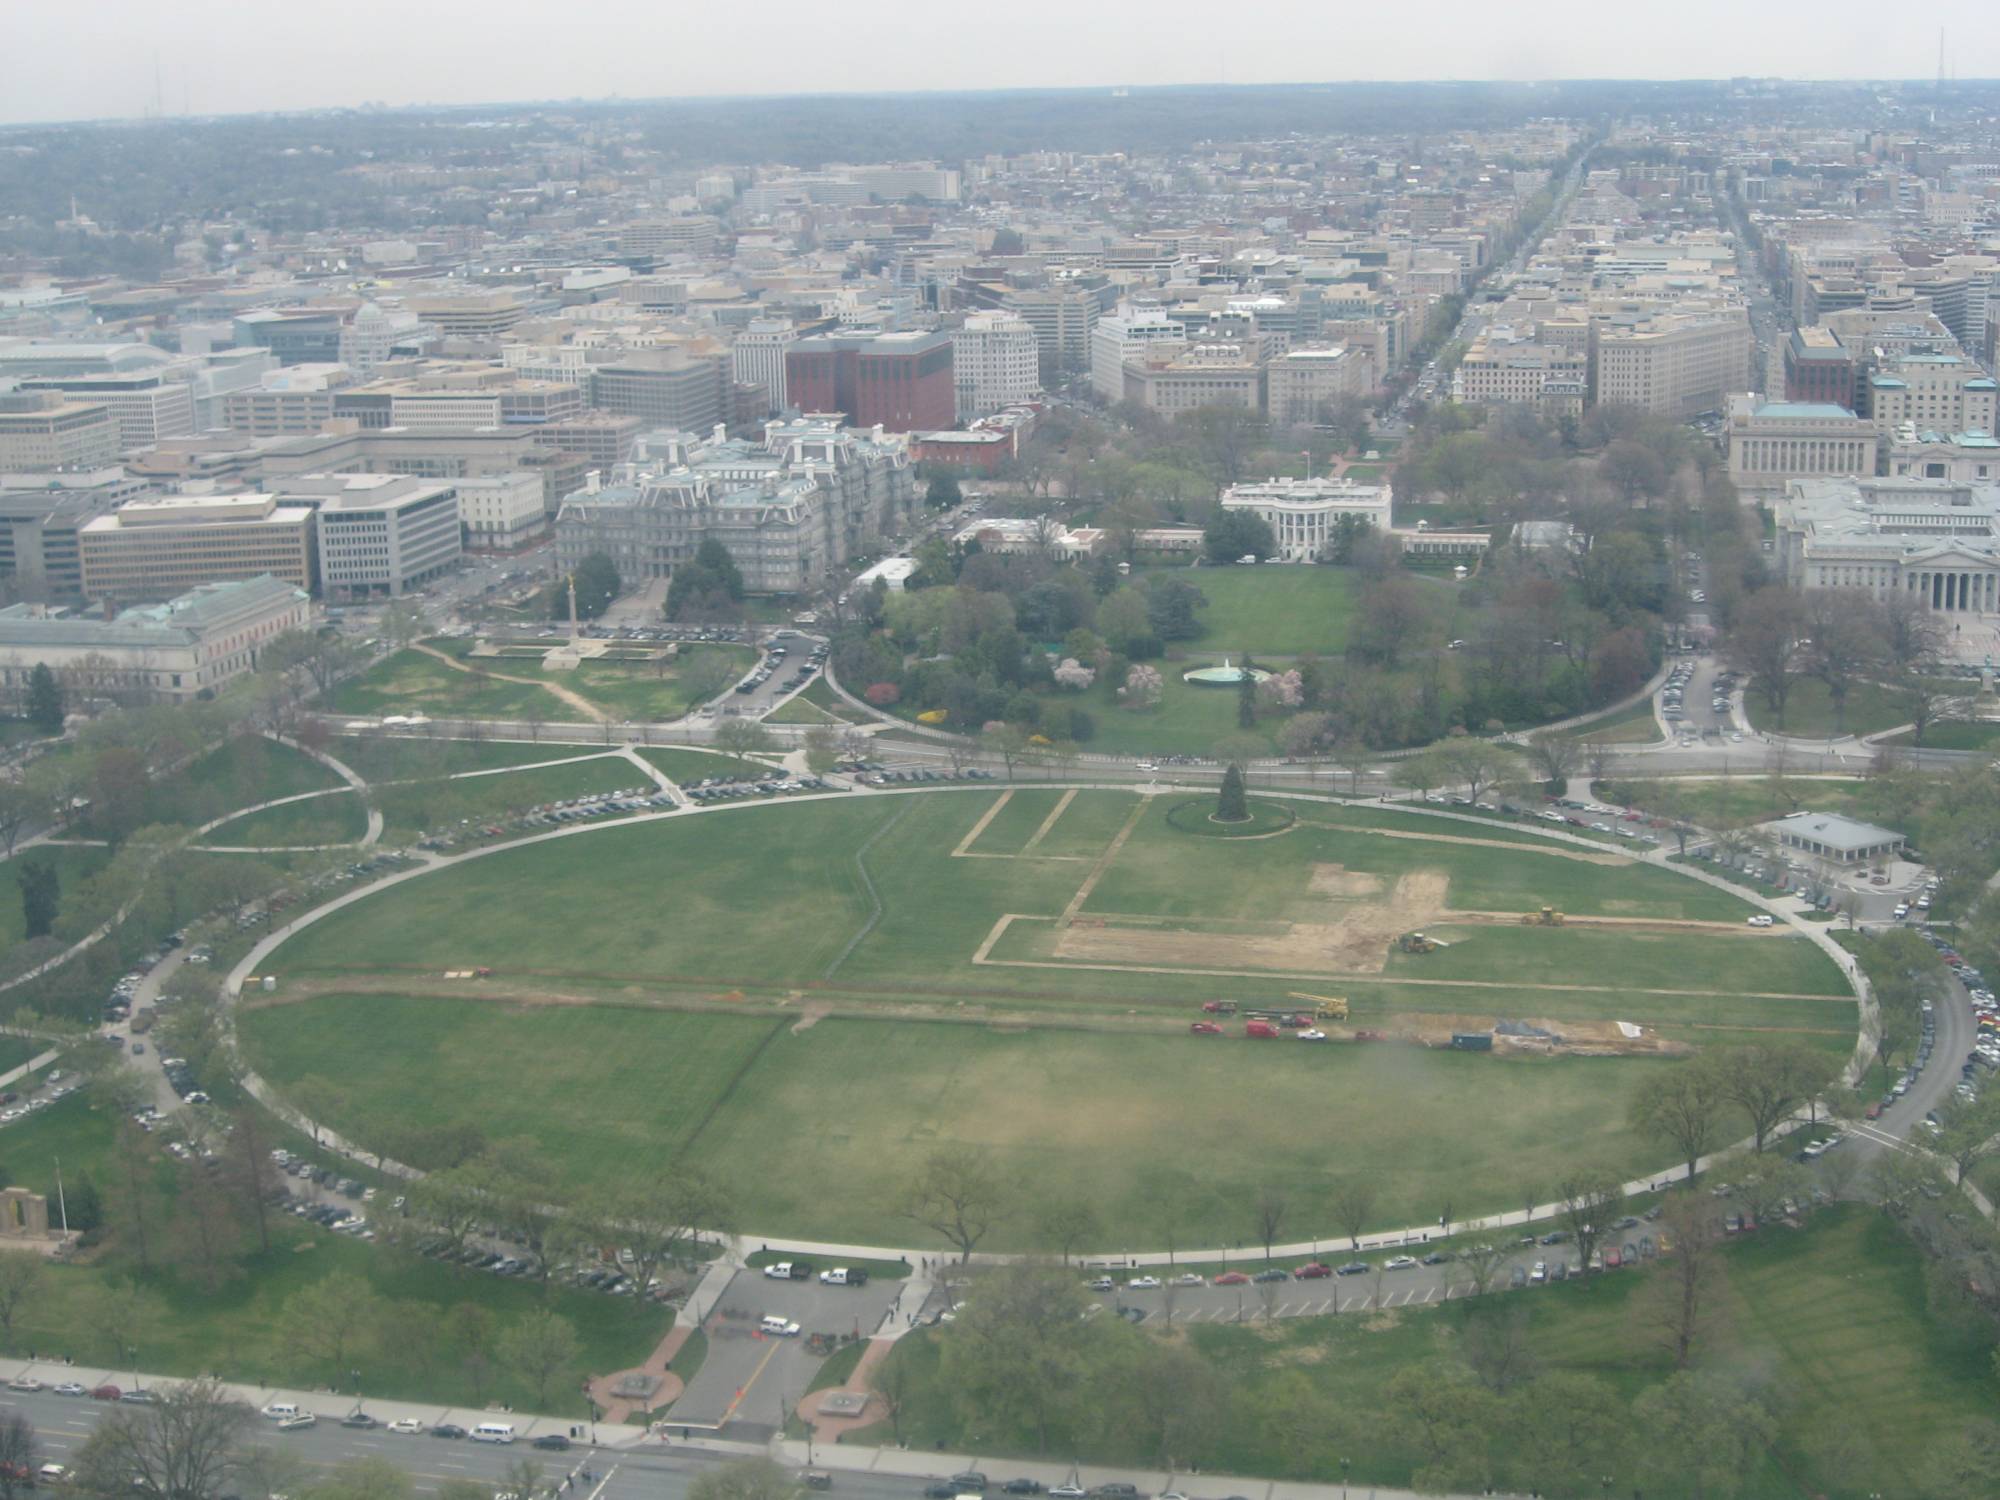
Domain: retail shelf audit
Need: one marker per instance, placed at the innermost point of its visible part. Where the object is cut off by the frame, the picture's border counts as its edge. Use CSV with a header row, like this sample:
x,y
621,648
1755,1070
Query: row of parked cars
x,y
914,777
588,1277
773,784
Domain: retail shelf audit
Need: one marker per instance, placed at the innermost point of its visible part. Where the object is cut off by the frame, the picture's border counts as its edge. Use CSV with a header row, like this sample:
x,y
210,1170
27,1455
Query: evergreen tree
x,y
40,898
1246,697
1230,804
45,700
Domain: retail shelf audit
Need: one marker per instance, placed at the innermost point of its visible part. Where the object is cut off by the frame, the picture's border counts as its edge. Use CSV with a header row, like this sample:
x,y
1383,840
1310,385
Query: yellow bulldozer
x,y
1324,1007
1548,916
1416,942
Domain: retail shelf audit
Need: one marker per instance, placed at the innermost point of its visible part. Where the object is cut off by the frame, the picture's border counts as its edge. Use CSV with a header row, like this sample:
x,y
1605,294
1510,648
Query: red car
x,y
1875,1110
1229,1278
106,1393
1204,1028
1312,1270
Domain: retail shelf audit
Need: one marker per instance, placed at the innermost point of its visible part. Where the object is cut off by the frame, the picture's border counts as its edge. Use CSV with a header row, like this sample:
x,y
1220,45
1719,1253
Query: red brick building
x,y
901,381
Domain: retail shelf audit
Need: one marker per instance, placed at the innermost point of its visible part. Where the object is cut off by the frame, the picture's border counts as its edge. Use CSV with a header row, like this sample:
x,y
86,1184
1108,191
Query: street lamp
x,y
1343,1478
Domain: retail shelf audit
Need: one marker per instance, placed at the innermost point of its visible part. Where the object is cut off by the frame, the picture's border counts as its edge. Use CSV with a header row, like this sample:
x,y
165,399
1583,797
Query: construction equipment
x,y
1324,1007
1548,916
1416,942
1219,1007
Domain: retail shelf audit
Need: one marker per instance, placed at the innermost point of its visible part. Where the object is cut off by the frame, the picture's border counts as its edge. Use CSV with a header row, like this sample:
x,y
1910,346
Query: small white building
x,y
1302,513
894,572
501,512
1834,841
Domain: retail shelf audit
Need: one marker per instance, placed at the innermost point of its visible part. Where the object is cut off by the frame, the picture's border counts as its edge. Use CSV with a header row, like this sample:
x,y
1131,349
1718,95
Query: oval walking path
x,y
1387,1239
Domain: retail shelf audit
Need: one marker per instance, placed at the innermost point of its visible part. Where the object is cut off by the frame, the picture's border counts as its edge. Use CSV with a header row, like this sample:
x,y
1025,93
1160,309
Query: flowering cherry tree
x,y
1143,686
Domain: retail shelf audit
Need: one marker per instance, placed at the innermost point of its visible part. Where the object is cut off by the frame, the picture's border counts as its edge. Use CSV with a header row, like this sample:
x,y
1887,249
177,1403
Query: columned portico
x,y
1957,591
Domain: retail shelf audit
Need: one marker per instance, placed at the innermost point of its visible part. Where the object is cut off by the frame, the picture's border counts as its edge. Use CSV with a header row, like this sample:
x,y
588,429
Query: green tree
x,y
1022,1354
742,737
1234,534
41,897
1231,806
1447,1418
943,493
45,700
329,1322
1702,1430
538,1347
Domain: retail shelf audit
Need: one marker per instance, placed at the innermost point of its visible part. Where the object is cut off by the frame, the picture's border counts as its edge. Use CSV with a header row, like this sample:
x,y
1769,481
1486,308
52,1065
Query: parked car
x,y
551,1442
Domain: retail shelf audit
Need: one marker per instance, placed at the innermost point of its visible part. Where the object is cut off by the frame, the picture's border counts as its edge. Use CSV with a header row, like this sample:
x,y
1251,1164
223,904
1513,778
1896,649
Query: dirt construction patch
x,y
1338,880
1355,941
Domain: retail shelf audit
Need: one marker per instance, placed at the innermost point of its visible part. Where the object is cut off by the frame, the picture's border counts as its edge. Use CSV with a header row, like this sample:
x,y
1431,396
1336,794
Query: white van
x,y
278,1411
493,1432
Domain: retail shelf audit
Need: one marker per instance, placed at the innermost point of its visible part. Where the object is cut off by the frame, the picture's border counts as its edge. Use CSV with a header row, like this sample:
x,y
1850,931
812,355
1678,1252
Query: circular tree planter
x,y
1197,816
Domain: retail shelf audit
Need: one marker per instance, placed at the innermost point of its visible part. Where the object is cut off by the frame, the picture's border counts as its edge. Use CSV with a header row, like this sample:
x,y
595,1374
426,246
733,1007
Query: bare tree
x,y
1682,1107
20,1454
1554,756
959,1193
1068,1224
184,1446
1587,1201
1352,1200
1597,751
1267,1215
1678,1300
1496,1347
1483,1263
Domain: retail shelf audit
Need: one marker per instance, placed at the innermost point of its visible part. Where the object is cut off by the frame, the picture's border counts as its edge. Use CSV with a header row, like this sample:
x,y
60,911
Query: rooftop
x,y
1834,831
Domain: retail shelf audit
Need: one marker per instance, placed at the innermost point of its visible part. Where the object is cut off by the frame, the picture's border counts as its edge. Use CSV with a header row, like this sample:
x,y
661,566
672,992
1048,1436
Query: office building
x,y
47,430
677,387
995,363
901,382
1937,392
1123,339
1301,384
601,440
1771,442
298,399
1173,381
1819,368
145,407
161,546
41,515
1518,372
1678,364
1062,317
1304,514
378,536
758,358
653,239
501,512
475,316
171,652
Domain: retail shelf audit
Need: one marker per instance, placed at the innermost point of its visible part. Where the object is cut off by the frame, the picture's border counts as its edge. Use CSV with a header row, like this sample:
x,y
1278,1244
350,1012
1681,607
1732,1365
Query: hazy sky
x,y
88,58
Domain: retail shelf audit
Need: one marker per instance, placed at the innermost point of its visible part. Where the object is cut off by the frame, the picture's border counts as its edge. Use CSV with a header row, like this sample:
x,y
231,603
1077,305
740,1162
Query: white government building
x,y
1302,513
1936,538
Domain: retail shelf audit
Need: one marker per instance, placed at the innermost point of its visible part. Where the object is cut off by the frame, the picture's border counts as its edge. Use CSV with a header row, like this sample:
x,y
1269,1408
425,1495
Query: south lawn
x,y
773,982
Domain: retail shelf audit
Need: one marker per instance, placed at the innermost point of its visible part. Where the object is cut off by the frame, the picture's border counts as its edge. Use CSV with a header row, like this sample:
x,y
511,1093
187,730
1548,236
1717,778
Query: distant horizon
x,y
583,101
114,61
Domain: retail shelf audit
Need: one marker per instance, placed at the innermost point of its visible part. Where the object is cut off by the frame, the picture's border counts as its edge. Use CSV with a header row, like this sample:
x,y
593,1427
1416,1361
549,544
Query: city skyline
x,y
210,58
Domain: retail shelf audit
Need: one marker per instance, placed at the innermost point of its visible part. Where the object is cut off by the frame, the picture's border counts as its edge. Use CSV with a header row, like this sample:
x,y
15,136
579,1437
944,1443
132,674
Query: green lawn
x,y
337,819
1732,801
1830,1321
798,711
1958,734
820,695
1273,611
1067,1074
378,758
414,682
16,1050
1186,721
1871,708
236,1327
1632,726
693,765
